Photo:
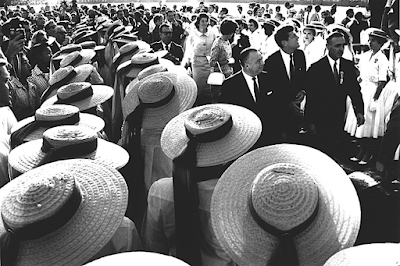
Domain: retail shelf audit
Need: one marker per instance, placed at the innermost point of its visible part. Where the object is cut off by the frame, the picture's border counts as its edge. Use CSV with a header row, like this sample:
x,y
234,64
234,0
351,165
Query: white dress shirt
x,y
332,62
286,61
250,84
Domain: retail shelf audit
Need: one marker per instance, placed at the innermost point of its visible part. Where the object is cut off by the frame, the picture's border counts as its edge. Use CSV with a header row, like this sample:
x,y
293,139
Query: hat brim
x,y
27,156
334,228
243,135
101,93
184,98
126,258
86,120
134,71
104,201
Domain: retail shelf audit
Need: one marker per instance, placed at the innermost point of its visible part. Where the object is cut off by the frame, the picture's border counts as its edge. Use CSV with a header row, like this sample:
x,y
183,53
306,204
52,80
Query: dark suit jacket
x,y
243,43
175,50
286,88
326,99
235,90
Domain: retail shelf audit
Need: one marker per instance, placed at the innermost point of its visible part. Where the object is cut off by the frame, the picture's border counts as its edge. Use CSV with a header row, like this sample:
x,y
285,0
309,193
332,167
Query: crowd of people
x,y
212,138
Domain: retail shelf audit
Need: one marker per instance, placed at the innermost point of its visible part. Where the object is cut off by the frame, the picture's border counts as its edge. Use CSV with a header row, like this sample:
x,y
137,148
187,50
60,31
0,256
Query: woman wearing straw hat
x,y
202,142
378,101
65,213
277,206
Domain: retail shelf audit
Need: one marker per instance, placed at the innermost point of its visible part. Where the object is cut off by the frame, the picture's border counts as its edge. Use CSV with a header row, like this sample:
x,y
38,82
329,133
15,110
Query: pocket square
x,y
269,93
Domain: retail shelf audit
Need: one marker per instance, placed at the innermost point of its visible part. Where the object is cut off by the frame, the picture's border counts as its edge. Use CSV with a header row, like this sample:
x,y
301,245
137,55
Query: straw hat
x,y
116,31
125,53
289,185
124,39
140,258
88,36
379,33
83,72
28,155
145,73
92,46
57,115
60,77
41,193
140,61
78,58
65,50
90,95
245,131
157,88
387,254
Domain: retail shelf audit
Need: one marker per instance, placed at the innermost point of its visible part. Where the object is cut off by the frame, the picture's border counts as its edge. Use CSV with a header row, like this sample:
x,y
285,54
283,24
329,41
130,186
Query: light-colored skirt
x,y
201,70
376,113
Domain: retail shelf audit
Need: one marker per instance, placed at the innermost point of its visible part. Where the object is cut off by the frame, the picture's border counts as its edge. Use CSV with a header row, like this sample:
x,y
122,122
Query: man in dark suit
x,y
330,81
175,51
249,88
286,69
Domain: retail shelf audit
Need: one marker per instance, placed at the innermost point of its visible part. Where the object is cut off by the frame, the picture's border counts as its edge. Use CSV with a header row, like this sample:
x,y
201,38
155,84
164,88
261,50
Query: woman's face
x,y
373,44
308,36
25,67
203,23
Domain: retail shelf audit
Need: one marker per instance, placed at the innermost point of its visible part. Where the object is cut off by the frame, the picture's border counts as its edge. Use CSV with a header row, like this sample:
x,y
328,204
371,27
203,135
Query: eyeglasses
x,y
167,32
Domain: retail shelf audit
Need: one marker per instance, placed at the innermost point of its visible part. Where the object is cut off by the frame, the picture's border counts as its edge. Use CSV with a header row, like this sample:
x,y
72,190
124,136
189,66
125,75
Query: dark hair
x,y
244,55
228,26
283,34
157,17
199,17
329,20
348,11
163,26
312,30
335,34
317,8
35,53
254,22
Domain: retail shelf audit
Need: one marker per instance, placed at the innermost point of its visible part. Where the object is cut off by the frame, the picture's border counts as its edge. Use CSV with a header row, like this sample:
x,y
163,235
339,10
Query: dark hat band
x,y
85,93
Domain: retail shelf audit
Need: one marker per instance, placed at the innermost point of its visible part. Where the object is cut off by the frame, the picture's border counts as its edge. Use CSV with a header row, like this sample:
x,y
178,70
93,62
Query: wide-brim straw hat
x,y
56,112
291,180
65,50
28,155
140,258
379,33
245,131
101,211
387,254
101,93
183,99
85,55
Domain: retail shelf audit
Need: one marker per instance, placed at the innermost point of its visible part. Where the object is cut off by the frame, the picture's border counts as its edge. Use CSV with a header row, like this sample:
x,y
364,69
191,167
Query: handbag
x,y
216,78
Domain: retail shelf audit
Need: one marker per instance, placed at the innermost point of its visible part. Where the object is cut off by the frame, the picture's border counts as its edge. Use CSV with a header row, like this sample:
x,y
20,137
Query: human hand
x,y
360,119
15,46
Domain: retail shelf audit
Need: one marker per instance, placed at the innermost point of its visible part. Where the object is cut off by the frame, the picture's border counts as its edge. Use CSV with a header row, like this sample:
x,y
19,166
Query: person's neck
x,y
287,51
203,30
249,74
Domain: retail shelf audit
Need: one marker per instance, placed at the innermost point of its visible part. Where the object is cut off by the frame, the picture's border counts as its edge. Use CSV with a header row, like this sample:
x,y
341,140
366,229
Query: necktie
x,y
291,67
256,89
166,48
335,72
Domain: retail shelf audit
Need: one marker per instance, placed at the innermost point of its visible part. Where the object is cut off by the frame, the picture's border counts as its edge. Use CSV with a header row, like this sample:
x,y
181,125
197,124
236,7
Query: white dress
x,y
373,68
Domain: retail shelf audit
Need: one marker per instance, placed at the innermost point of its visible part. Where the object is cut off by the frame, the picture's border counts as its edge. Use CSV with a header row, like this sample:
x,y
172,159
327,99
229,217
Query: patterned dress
x,y
221,51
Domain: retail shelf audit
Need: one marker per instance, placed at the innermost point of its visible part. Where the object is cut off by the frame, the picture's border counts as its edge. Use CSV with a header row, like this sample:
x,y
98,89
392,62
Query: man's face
x,y
166,35
293,41
170,16
60,35
40,20
336,47
254,64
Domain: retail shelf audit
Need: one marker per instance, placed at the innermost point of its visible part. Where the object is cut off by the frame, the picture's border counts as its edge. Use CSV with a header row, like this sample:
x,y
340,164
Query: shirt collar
x,y
248,77
198,33
332,62
284,55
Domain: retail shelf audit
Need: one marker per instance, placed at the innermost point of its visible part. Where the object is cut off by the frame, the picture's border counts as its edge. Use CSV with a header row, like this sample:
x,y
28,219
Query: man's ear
x,y
284,43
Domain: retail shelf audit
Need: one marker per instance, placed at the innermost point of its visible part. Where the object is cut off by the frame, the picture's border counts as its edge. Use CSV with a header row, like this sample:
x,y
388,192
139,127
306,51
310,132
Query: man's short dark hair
x,y
163,26
244,55
335,34
349,11
254,22
283,34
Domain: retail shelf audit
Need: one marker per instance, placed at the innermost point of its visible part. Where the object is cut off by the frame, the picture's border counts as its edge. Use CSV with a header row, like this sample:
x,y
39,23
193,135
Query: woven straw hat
x,y
78,58
100,94
379,33
65,50
59,78
286,184
387,254
245,131
40,193
124,39
156,88
83,72
92,46
28,155
125,53
59,112
116,31
158,68
140,61
140,258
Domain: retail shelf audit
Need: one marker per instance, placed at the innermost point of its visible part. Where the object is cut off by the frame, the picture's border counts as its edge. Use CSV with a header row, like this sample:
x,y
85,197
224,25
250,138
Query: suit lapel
x,y
328,65
283,67
246,89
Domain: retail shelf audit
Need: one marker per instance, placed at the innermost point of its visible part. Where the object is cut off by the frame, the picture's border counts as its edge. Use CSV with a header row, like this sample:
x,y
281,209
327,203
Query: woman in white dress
x,y
198,48
373,66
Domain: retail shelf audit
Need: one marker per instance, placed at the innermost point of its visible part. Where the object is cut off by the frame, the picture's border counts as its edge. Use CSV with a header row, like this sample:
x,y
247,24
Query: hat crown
x,y
206,119
37,199
143,58
151,70
155,89
55,112
69,58
72,89
88,45
60,74
284,195
63,136
70,48
128,47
